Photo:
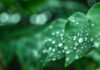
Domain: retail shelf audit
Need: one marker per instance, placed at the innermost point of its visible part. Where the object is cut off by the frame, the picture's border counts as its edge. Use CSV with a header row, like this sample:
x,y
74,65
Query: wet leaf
x,y
53,38
77,37
44,46
94,23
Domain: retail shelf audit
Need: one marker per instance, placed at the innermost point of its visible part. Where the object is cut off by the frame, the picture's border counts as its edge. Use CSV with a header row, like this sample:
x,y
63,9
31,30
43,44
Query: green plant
x,y
35,46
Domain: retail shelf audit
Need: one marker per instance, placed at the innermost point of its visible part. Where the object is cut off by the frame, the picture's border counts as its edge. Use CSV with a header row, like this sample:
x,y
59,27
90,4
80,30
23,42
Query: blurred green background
x,y
19,14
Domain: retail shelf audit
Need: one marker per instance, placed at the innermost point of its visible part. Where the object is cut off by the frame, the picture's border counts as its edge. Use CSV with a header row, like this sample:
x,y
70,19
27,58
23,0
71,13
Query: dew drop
x,y
91,39
53,50
67,59
50,48
67,52
53,33
49,39
60,44
44,51
80,40
76,43
57,32
77,23
74,38
92,25
96,44
65,47
75,48
53,42
76,57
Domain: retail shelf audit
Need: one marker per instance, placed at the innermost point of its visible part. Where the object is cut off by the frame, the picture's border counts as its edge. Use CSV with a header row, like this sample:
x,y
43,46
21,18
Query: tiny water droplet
x,y
76,43
67,59
60,44
80,40
67,52
53,42
96,44
76,57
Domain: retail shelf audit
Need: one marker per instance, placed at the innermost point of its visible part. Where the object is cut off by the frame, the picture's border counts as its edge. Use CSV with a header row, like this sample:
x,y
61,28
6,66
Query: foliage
x,y
54,38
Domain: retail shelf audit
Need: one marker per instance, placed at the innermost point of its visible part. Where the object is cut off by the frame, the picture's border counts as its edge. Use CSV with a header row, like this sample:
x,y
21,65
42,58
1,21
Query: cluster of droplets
x,y
73,20
54,47
54,44
77,39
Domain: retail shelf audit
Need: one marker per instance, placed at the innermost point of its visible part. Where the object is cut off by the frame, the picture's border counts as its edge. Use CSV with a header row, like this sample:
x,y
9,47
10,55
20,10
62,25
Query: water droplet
x,y
53,42
91,39
50,48
65,47
77,51
75,48
50,27
35,53
61,34
62,38
57,32
96,44
77,23
86,39
49,39
44,51
80,40
67,59
76,43
76,57
74,38
67,52
53,33
60,44
53,50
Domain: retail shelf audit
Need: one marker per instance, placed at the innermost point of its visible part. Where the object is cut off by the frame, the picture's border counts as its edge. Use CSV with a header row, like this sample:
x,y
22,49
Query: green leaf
x,y
53,38
94,23
77,37
94,55
44,46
